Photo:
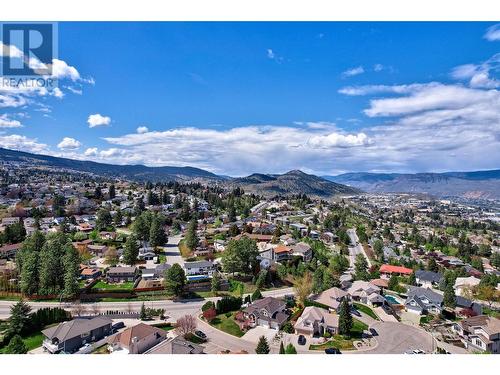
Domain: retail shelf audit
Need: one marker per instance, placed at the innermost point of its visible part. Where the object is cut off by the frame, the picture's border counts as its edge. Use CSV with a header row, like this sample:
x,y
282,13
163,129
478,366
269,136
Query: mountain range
x,y
473,185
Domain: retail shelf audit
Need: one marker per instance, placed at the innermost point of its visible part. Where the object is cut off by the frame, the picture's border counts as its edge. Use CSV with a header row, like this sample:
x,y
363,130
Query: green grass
x,y
103,349
425,319
101,285
343,342
366,310
227,325
194,339
34,340
491,312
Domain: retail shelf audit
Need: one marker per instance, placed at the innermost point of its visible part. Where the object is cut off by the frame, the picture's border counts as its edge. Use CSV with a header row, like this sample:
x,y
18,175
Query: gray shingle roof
x,y
73,328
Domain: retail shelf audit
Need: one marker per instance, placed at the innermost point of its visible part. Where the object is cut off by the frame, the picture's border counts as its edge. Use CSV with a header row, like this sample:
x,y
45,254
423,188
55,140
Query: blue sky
x,y
238,98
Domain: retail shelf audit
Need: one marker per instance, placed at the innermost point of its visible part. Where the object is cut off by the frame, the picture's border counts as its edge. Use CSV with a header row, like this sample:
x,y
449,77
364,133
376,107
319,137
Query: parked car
x,y
302,340
373,332
200,334
332,351
117,326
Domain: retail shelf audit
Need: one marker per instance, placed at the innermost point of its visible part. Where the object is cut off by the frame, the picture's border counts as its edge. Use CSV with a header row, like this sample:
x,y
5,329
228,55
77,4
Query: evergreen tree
x,y
51,264
262,346
131,250
240,256
19,321
412,279
16,346
71,263
104,219
290,349
282,348
29,273
143,315
216,283
256,295
157,235
449,298
175,279
393,282
360,266
118,218
191,237
112,192
345,318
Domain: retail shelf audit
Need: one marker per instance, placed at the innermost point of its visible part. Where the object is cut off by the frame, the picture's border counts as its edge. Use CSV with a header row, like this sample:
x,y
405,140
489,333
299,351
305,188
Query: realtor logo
x,y
28,49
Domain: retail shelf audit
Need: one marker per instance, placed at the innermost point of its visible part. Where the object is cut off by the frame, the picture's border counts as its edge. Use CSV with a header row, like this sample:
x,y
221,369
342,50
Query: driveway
x,y
397,338
253,335
171,250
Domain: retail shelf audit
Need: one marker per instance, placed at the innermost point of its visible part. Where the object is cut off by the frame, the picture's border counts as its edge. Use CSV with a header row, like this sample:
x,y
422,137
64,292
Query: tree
x,y
261,279
185,325
345,318
29,273
489,294
71,263
118,218
290,349
303,288
216,283
16,346
449,298
210,314
111,256
19,321
360,266
143,315
412,280
282,271
157,236
51,263
104,219
191,237
240,256
112,192
256,295
175,279
282,348
131,251
262,346
432,265
393,282
141,226
378,247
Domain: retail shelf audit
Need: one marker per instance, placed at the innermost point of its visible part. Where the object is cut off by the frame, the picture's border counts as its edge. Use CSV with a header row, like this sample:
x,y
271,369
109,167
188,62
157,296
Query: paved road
x,y
356,248
397,338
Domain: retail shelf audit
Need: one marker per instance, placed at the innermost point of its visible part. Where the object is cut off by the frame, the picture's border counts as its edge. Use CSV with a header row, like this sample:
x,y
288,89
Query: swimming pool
x,y
197,277
392,300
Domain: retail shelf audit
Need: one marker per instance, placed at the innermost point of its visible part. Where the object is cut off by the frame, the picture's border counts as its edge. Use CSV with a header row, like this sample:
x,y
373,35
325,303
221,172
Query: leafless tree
x,y
185,325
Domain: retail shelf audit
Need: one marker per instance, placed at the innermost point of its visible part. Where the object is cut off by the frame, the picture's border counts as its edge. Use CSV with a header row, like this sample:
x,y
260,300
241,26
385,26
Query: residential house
x,y
367,293
121,274
267,312
332,298
423,301
480,333
462,284
68,337
137,339
176,345
302,250
201,268
10,251
388,270
282,252
428,279
88,273
97,250
316,321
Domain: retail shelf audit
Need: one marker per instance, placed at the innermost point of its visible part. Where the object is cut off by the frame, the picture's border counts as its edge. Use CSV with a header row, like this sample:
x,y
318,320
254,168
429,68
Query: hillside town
x,y
96,265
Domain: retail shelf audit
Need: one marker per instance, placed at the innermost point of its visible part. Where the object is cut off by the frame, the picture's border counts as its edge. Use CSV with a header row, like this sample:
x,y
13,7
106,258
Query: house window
x,y
85,334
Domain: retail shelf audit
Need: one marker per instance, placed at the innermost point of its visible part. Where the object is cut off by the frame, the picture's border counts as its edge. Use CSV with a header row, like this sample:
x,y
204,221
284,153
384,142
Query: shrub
x,y
228,303
207,306
288,328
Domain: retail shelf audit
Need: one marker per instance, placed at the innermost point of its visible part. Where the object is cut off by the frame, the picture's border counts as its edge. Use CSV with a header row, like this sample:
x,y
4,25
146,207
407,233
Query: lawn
x,y
490,312
227,324
343,342
365,309
101,285
103,349
34,340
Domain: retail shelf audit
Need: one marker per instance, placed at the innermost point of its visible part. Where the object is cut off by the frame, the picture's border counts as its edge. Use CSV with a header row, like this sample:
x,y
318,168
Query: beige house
x,y
315,321
480,333
332,298
136,339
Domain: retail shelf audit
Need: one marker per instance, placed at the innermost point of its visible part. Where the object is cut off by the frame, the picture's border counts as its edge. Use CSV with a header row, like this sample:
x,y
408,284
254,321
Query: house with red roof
x,y
389,270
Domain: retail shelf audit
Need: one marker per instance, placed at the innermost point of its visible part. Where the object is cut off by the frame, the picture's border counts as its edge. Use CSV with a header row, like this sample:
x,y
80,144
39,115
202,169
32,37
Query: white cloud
x,y
142,129
270,54
68,143
493,33
339,140
91,151
22,143
378,67
274,56
98,120
10,51
353,72
7,122
60,70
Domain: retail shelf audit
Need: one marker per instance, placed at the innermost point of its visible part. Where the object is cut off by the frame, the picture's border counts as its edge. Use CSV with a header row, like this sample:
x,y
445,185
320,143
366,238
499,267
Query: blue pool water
x,y
392,300
197,277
